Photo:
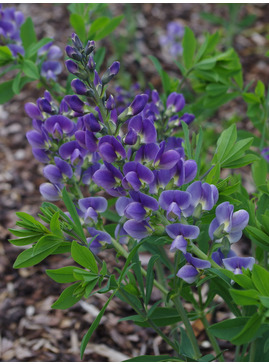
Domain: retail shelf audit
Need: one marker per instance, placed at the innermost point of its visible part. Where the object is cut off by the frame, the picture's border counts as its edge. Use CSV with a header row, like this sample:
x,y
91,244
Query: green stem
x,y
119,248
189,329
237,353
211,338
252,352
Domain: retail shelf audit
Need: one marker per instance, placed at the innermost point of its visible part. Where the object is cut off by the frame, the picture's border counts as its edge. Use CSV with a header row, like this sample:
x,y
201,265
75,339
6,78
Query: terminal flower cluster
x,y
131,154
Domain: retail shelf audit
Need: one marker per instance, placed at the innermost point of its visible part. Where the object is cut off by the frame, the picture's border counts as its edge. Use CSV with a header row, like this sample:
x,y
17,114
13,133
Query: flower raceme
x,y
129,152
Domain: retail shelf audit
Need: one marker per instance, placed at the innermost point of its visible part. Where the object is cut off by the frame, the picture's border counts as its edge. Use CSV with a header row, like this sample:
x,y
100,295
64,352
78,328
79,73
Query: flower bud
x,y
50,191
72,67
91,64
79,87
33,111
77,42
111,72
110,103
73,53
90,47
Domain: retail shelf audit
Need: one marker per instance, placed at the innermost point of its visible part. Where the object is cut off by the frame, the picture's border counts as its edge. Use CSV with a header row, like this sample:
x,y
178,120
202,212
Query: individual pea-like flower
x,y
190,271
56,173
166,159
175,102
184,171
73,151
235,264
180,233
142,127
171,41
203,198
136,174
228,223
90,206
174,201
218,256
101,238
110,149
57,125
110,178
51,67
51,192
111,72
137,229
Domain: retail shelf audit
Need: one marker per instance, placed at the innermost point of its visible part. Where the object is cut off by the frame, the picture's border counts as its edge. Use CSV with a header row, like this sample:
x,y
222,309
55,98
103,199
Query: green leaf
x,y
249,330
259,171
239,148
225,144
62,275
46,243
185,347
30,69
94,325
164,76
229,328
150,277
67,299
97,25
214,89
83,256
16,83
264,301
27,258
22,232
243,161
33,48
161,316
5,55
6,91
99,57
189,46
55,225
260,278
260,89
26,240
90,286
186,138
128,261
259,236
109,27
27,33
77,23
73,212
246,297
214,175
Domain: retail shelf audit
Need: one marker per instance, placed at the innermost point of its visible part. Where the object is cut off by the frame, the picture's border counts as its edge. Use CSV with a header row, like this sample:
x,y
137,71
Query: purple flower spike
x,y
174,202
175,102
79,87
50,192
90,206
110,149
179,233
227,223
235,264
137,230
138,104
33,111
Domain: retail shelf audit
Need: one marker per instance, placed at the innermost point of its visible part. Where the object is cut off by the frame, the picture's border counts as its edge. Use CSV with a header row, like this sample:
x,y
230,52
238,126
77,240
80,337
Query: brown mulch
x,y
29,329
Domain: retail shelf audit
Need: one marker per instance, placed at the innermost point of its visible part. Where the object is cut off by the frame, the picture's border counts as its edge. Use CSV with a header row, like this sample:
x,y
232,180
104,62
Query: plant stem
x,y
189,329
202,255
237,353
252,351
125,254
211,338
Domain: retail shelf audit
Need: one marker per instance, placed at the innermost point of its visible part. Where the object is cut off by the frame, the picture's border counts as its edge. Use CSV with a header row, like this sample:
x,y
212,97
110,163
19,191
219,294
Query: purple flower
x,y
147,153
228,223
174,202
72,67
73,151
175,102
137,229
100,238
109,177
50,70
56,173
111,149
235,264
89,172
79,87
203,196
33,111
91,123
136,174
218,256
73,53
138,104
144,128
59,124
37,139
75,103
184,171
87,140
166,159
180,233
90,206
51,192
190,271
161,180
